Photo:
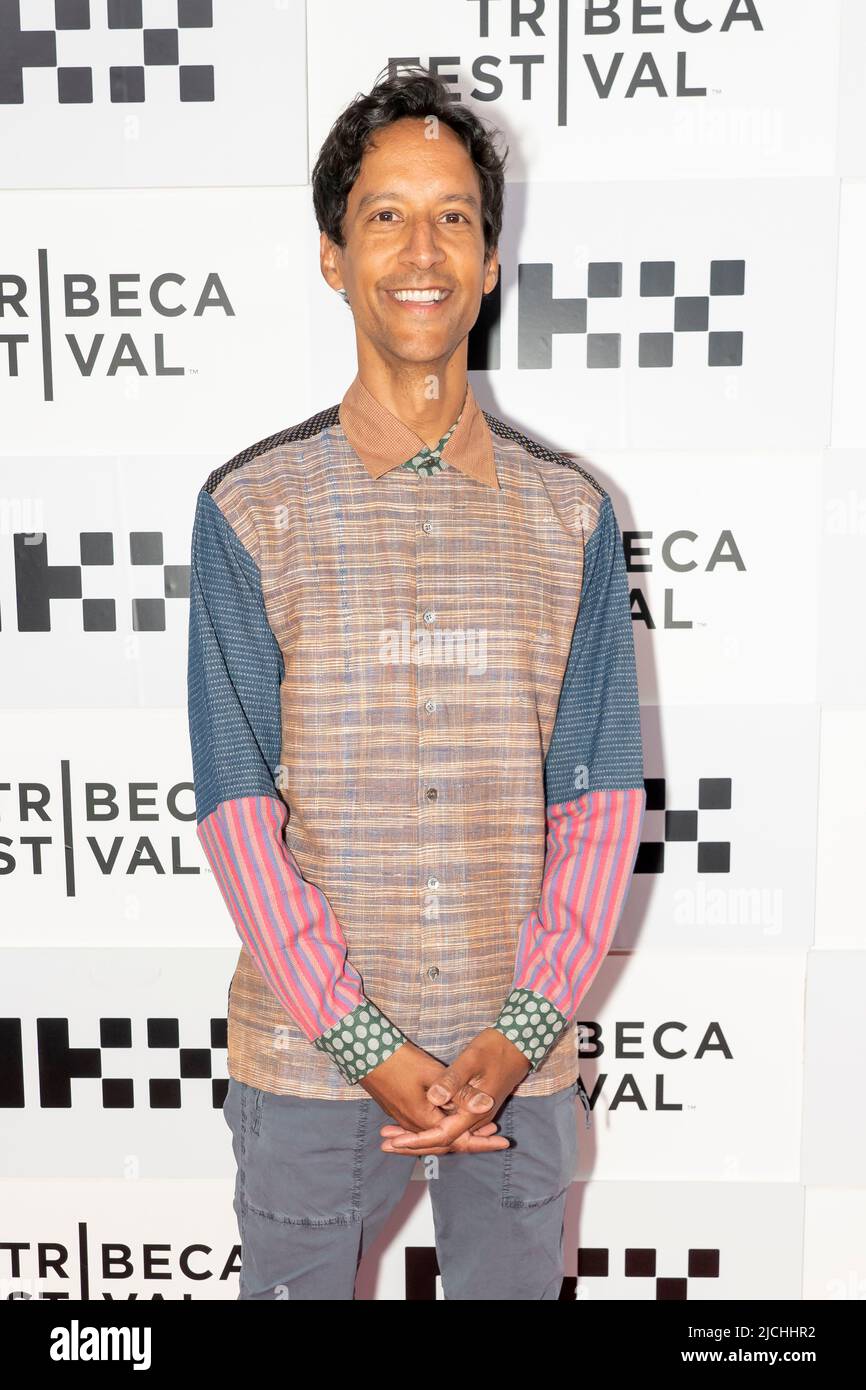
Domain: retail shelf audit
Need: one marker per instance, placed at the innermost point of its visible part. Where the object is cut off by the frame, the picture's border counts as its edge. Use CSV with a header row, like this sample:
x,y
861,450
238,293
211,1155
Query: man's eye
x,y
389,213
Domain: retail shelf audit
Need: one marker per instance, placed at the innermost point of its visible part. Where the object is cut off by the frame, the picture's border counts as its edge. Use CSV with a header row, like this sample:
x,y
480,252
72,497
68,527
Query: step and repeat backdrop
x,y
681,307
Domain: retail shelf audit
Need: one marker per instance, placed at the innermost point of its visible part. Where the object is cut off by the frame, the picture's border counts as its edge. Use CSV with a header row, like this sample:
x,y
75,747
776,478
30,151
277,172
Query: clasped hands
x,y
439,1109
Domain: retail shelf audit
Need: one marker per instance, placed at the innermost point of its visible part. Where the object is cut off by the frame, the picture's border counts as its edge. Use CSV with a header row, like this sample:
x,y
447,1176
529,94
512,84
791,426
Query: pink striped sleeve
x,y
285,921
592,836
592,844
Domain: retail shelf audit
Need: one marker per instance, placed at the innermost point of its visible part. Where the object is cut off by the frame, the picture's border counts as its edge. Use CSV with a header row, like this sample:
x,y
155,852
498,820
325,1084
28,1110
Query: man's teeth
x,y
420,296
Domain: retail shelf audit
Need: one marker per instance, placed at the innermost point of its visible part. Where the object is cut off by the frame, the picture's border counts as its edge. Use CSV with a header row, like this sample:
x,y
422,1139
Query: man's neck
x,y
426,397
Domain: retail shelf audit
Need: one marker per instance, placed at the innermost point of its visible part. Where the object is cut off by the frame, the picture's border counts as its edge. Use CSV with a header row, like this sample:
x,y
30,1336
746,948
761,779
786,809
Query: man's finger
x,y
468,1143
487,1137
392,1130
492,1144
445,1132
454,1079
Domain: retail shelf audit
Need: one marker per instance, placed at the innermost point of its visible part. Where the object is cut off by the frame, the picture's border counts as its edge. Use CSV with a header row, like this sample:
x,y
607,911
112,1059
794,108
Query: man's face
x,y
413,222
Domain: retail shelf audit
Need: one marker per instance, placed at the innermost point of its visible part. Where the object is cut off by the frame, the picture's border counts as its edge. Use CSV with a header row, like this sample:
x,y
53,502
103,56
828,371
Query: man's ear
x,y
329,256
491,271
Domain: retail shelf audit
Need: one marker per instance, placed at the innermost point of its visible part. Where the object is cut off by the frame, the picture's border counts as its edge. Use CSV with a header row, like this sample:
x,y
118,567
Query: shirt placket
x,y
435,787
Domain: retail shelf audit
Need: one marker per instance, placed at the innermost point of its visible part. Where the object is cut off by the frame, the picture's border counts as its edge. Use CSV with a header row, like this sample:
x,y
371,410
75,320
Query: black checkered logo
x,y
37,582
682,826
593,1265
541,316
59,1063
22,48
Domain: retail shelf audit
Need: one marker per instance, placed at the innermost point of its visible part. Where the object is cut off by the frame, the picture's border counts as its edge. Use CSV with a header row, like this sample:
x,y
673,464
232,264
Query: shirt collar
x,y
382,442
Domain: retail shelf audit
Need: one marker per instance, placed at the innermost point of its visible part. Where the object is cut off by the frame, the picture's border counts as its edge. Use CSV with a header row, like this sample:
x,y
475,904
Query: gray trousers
x,y
314,1189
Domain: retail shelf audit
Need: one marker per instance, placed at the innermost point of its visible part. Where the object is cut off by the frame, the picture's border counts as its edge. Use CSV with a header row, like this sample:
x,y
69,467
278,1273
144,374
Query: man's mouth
x,y
425,298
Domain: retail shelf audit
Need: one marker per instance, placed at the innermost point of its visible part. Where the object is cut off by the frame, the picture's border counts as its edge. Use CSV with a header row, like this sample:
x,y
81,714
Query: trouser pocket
x,y
541,1163
581,1091
303,1158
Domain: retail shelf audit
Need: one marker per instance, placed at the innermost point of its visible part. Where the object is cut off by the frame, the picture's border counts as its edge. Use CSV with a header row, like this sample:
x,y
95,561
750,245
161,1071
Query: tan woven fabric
x,y
425,624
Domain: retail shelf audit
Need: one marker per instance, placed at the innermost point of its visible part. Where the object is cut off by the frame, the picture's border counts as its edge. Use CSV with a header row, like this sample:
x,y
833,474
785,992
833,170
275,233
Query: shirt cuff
x,y
532,1023
360,1041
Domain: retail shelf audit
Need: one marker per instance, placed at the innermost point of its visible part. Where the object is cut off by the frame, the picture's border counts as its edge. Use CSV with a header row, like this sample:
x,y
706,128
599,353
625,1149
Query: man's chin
x,y
418,352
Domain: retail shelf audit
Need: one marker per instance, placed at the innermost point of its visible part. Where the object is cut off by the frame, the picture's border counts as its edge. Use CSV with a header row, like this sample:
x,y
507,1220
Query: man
x,y
416,746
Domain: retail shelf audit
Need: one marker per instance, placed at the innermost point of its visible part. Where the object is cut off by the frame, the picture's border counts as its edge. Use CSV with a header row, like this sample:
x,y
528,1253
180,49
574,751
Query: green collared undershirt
x,y
429,461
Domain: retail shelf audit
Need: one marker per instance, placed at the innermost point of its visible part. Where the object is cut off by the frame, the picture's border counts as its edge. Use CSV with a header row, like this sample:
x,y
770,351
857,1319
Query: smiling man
x,y
425,854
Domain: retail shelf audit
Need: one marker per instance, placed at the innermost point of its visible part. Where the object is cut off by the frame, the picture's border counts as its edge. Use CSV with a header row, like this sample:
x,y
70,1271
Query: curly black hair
x,y
413,91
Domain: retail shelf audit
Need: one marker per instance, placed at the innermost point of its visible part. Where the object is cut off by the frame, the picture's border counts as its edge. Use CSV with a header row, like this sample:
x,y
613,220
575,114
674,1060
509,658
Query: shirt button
x,y
430,706
432,883
433,971
431,793
427,526
429,616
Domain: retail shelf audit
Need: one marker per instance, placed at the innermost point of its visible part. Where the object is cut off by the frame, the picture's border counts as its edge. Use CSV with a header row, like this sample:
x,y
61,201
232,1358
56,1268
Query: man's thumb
x,y
447,1086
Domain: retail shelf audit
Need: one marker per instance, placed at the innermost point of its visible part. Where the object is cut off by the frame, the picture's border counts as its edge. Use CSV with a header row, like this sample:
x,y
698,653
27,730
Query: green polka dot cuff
x,y
360,1041
532,1023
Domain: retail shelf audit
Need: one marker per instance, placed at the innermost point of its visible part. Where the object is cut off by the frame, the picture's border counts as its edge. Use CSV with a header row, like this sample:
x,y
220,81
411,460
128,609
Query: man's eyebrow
x,y
445,198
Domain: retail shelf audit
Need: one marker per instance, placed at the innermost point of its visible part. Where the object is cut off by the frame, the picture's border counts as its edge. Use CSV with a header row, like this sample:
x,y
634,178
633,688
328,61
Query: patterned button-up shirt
x,y
416,742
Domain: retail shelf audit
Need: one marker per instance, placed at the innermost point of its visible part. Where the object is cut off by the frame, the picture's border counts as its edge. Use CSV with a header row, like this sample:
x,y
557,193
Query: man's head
x,y
408,191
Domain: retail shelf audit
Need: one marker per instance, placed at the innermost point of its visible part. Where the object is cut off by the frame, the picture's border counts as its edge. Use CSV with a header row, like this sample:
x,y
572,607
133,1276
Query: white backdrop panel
x,y
164,320
100,844
738,1241
95,602
722,560
220,102
642,92
136,1095
851,149
849,399
835,1243
834,1121
121,1238
698,318
840,906
671,1045
728,850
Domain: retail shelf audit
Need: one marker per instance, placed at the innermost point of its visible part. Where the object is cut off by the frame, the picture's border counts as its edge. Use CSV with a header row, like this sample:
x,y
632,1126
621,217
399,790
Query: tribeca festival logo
x,y
73,828
107,345
593,43
74,1262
